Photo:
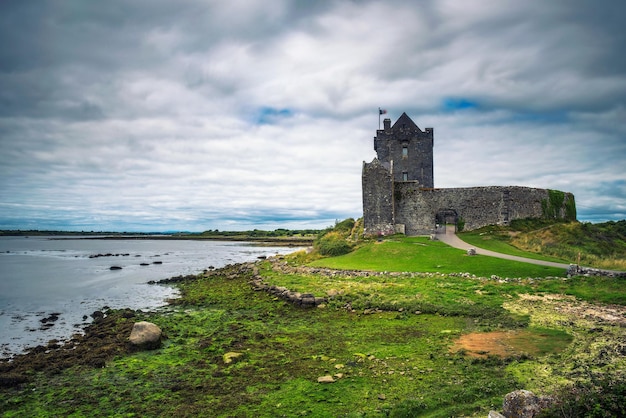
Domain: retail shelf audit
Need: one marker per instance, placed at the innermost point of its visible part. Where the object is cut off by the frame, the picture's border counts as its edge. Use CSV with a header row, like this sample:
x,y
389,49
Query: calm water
x,y
40,276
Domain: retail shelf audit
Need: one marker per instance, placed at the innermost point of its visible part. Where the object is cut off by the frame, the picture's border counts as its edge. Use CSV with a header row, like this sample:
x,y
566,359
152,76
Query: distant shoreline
x,y
286,240
269,241
289,242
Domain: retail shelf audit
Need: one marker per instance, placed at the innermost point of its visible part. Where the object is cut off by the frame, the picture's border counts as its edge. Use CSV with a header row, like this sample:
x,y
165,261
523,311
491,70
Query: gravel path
x,y
448,236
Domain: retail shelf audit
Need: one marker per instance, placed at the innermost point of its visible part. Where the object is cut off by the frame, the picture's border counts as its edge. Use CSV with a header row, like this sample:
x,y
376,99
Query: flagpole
x,y
381,112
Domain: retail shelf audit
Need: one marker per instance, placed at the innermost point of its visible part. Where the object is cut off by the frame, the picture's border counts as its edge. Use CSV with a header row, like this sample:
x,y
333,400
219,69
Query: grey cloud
x,y
151,112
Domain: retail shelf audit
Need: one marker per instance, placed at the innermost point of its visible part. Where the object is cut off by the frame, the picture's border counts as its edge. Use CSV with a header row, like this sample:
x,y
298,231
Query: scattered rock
x,y
116,268
524,404
494,414
127,313
110,255
51,318
326,379
100,255
9,380
145,335
471,251
231,356
97,316
382,396
307,300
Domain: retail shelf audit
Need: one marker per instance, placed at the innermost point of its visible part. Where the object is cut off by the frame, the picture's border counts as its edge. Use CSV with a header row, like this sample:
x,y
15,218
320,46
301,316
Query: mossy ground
x,y
387,340
378,361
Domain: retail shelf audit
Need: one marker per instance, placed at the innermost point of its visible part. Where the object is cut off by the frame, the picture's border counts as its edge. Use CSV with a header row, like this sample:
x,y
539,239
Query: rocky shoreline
x,y
106,337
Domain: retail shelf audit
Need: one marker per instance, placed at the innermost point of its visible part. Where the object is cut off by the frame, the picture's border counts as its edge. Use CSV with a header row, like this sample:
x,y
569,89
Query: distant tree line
x,y
36,232
256,233
259,233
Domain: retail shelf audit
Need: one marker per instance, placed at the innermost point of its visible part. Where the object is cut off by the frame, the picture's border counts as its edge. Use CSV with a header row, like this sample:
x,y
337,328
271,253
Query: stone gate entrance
x,y
445,217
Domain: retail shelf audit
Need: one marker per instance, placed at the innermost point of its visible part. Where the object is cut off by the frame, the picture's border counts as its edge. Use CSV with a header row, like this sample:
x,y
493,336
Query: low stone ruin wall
x,y
303,300
575,270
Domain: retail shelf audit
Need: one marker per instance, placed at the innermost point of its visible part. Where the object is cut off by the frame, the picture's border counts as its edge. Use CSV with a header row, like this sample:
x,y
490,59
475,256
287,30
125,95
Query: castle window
x,y
405,151
405,176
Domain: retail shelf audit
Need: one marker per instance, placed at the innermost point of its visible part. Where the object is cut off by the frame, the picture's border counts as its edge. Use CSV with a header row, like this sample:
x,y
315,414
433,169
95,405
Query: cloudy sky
x,y
154,115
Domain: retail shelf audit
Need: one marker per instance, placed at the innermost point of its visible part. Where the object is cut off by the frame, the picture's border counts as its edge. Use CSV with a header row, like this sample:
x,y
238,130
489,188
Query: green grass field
x,y
424,255
389,341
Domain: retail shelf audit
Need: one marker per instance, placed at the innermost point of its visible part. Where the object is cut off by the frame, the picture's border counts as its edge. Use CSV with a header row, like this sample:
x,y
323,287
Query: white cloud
x,y
203,115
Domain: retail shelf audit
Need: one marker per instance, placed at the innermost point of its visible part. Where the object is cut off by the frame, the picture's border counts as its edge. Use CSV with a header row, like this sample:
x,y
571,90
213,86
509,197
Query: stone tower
x,y
408,149
404,154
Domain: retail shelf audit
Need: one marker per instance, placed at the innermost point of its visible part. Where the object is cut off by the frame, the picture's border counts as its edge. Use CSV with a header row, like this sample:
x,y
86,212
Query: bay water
x,y
49,286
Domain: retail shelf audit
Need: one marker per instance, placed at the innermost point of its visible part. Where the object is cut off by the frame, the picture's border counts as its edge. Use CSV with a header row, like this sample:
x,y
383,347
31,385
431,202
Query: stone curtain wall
x,y
378,202
416,208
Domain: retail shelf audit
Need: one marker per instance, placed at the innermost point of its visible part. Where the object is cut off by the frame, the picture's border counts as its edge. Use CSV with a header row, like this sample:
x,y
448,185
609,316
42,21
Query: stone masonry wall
x,y
417,208
378,207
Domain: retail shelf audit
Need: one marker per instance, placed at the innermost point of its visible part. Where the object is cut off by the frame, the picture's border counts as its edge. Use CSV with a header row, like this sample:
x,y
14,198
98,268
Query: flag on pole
x,y
380,112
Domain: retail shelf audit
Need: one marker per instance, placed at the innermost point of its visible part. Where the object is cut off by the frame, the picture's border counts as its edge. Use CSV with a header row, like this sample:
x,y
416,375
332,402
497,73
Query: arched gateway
x,y
446,217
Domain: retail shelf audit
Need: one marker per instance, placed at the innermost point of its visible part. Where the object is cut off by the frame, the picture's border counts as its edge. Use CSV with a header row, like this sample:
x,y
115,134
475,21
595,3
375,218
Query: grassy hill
x,y
595,245
421,254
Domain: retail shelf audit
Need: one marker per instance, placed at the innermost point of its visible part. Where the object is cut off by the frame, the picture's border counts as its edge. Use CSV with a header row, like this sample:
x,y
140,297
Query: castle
x,y
399,194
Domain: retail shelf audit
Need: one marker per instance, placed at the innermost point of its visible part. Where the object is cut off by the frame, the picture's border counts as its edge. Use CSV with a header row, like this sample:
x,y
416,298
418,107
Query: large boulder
x,y
145,335
524,404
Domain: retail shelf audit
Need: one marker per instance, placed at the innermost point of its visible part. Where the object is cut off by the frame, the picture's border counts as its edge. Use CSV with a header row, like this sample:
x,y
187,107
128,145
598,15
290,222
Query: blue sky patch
x,y
270,115
451,104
